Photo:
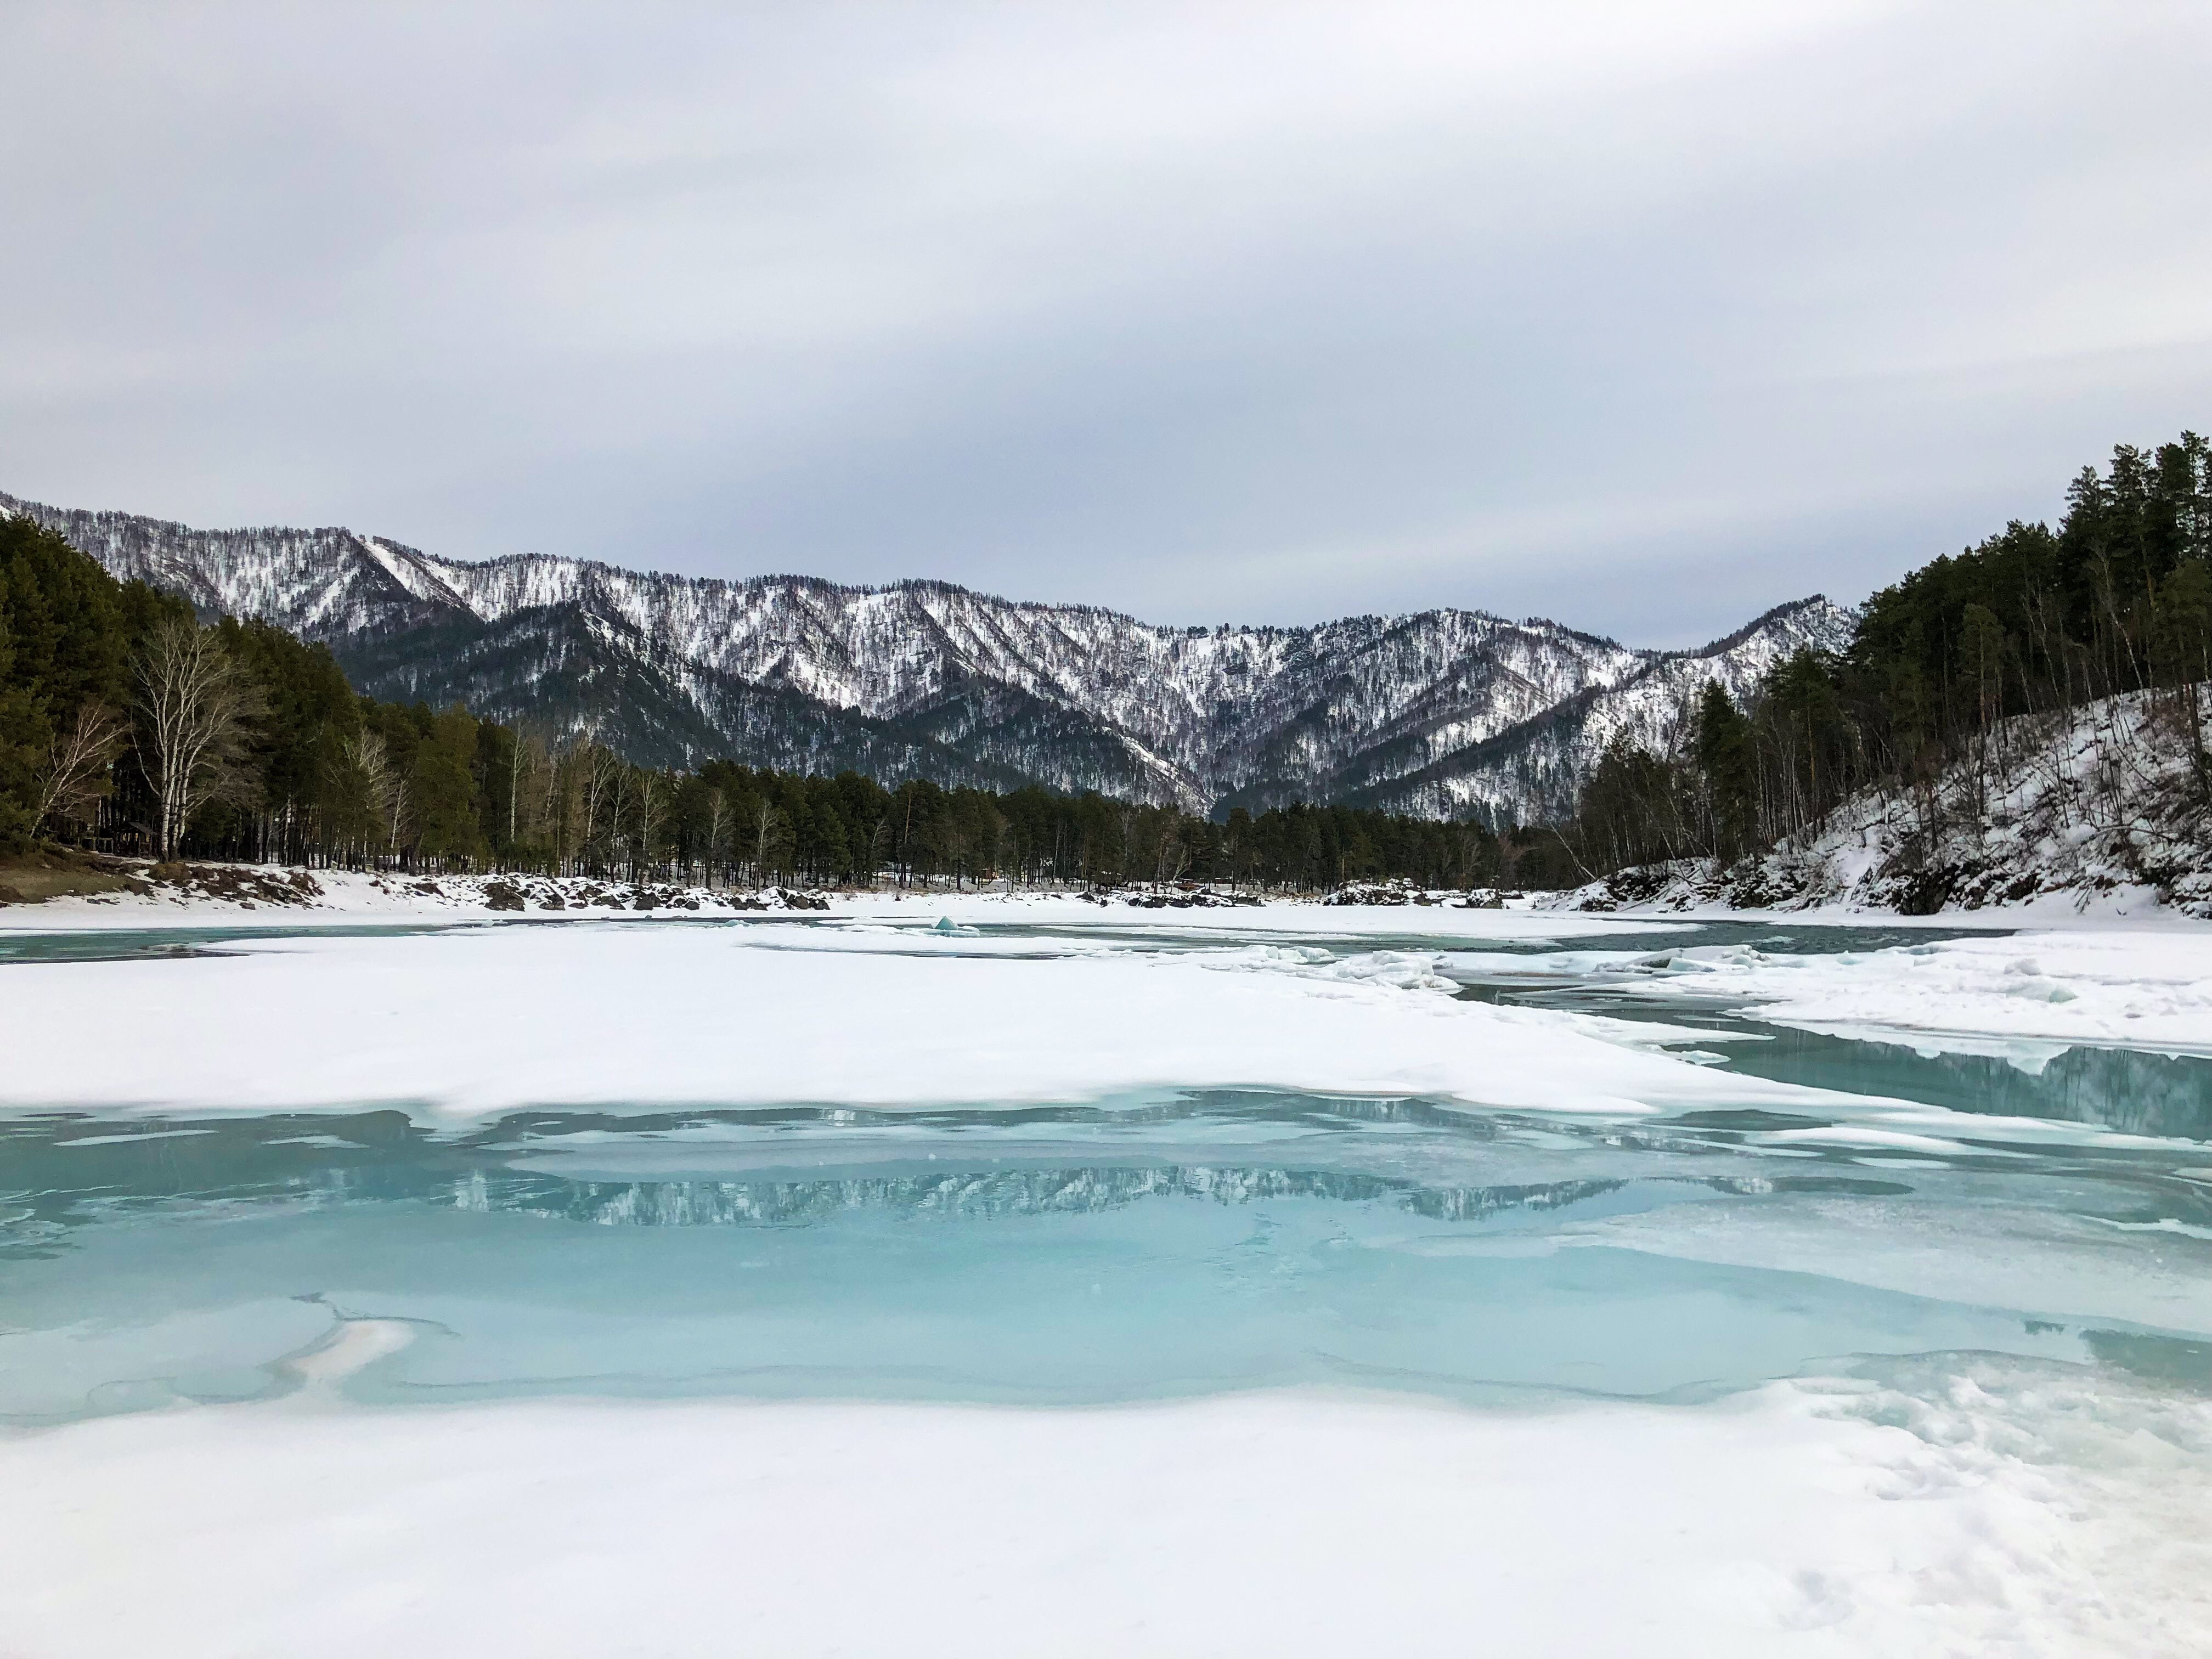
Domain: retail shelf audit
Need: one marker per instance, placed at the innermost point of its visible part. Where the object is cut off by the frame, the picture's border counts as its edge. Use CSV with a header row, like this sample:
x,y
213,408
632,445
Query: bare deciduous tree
x,y
74,774
563,803
383,788
718,812
767,828
652,814
526,759
197,701
605,780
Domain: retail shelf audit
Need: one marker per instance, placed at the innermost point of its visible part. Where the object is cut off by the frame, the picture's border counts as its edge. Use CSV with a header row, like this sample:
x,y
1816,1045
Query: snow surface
x,y
475,1023
2030,993
880,1008
1962,1515
341,897
351,896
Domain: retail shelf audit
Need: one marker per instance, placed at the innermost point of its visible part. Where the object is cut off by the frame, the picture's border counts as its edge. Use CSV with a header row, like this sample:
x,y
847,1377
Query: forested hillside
x,y
1442,712
1950,676
128,725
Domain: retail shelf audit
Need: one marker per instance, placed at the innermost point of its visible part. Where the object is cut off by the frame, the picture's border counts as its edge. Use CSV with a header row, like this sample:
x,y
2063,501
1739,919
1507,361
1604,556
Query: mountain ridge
x,y
923,677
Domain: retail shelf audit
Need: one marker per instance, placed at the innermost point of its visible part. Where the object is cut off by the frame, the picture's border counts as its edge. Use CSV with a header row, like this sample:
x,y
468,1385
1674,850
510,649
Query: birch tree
x,y
526,758
74,775
718,812
197,701
376,785
767,830
602,780
652,813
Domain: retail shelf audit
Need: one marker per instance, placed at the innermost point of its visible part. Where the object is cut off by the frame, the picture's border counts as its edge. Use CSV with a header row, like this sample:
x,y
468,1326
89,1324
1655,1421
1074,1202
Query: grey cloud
x,y
1643,321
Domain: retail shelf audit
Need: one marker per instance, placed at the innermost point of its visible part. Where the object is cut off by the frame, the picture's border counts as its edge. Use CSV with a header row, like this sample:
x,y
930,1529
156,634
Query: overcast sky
x,y
1643,317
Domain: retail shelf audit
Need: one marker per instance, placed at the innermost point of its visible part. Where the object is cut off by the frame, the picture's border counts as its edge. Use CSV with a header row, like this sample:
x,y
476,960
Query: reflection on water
x,y
2136,1093
65,1172
1217,1240
981,1195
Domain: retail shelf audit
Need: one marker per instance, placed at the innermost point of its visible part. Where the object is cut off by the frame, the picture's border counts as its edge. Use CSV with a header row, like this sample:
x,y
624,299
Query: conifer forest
x,y
2034,620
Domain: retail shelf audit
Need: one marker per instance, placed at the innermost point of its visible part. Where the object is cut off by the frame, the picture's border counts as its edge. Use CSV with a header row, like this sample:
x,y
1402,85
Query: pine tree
x,y
441,781
1725,761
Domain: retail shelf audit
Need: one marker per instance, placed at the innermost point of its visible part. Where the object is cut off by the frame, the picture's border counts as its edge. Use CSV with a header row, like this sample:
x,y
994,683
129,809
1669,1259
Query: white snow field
x,y
487,1020
1797,1520
1083,1281
2035,993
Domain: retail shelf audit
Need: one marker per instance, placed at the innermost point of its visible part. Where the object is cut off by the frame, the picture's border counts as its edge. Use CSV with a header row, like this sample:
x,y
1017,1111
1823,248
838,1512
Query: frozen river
x,y
1082,1280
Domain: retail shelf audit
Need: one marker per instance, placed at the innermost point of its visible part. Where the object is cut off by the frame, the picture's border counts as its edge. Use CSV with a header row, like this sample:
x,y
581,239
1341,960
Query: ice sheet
x,y
2121,987
483,1021
2082,1269
1958,1513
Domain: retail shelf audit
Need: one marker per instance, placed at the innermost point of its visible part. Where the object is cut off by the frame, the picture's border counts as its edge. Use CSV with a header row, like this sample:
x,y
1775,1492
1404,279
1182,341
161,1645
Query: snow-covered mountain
x,y
1440,712
1534,770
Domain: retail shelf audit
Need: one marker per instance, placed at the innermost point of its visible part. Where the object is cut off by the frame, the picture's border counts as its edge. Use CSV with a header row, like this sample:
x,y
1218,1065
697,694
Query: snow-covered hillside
x,y
2104,809
1443,711
1535,769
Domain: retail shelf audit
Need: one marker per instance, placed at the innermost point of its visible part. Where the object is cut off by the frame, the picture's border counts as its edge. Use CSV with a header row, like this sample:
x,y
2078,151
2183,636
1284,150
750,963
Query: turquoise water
x,y
1176,1244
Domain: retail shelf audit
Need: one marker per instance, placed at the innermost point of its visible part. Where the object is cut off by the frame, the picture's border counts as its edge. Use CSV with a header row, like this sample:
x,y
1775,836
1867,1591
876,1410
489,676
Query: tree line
x,y
129,725
2032,621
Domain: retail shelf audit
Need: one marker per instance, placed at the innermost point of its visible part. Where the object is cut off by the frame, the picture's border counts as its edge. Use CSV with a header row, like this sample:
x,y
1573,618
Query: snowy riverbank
x,y
263,896
2101,811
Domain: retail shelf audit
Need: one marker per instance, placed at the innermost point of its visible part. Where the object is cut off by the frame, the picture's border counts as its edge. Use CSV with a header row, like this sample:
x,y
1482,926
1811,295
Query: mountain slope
x,y
1534,769
2100,808
1444,711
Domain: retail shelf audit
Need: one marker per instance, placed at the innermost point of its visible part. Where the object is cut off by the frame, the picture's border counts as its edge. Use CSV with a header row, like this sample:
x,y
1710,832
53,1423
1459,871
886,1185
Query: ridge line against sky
x,y
894,584
1206,311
